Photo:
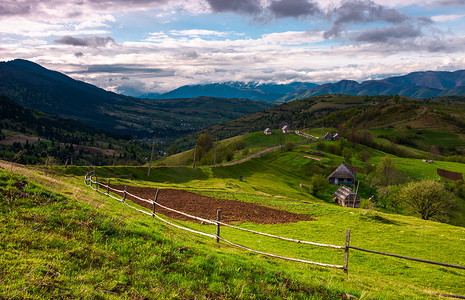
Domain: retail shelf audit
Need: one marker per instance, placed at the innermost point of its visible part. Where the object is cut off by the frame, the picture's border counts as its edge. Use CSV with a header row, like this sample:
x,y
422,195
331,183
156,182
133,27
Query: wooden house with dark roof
x,y
267,131
286,129
328,137
344,196
342,175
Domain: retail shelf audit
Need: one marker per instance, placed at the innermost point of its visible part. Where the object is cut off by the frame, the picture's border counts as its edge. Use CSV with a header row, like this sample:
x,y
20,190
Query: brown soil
x,y
450,175
205,207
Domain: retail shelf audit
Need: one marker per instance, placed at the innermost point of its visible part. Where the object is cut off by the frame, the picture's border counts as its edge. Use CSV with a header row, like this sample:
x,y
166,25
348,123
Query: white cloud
x,y
28,28
446,18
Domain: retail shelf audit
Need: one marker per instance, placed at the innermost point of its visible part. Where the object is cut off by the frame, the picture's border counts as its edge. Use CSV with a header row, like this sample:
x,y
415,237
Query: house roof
x,y
343,192
343,171
327,135
285,127
267,129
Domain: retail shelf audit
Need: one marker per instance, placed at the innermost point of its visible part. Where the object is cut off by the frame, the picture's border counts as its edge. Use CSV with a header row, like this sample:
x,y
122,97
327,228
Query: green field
x,y
96,246
116,251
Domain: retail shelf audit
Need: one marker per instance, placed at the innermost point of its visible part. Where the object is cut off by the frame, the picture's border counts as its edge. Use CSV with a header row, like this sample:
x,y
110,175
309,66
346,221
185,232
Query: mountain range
x,y
421,85
251,90
54,93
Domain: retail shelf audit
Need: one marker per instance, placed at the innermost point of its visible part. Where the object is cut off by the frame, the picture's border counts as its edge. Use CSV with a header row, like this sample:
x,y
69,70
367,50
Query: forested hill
x,y
30,136
54,93
357,112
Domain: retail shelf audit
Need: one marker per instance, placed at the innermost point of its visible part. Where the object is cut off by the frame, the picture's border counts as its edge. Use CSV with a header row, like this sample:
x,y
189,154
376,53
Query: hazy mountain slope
x,y
419,85
250,90
54,93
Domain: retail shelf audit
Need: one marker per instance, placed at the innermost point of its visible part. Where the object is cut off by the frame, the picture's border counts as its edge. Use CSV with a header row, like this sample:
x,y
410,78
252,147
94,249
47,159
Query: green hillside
x,y
31,137
118,252
33,86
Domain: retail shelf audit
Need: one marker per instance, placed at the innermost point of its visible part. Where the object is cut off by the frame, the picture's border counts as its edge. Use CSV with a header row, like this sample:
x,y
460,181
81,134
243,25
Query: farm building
x,y
346,197
336,137
286,129
328,137
342,175
267,131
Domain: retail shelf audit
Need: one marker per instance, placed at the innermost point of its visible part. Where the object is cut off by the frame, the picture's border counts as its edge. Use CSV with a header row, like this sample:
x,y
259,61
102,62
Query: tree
x,y
319,183
205,141
347,154
387,174
173,149
428,198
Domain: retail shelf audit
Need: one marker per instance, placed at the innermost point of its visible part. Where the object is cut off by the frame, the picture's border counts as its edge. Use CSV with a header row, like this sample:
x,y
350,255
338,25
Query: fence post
x,y
218,218
108,188
125,192
346,252
155,203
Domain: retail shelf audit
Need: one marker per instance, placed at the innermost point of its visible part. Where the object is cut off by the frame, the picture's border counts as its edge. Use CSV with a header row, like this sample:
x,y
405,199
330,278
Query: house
x,y
328,137
336,137
286,129
342,175
346,197
267,131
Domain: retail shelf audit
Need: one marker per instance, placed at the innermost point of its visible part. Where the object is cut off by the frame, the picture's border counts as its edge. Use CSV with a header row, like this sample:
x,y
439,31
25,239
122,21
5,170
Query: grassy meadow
x,y
62,239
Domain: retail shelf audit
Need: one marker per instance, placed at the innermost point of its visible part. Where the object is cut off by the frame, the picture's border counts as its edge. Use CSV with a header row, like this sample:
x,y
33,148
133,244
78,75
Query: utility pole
x,y
214,158
195,154
151,156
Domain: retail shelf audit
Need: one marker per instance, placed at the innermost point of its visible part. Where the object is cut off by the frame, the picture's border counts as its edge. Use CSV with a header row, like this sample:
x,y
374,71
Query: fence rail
x,y
88,178
218,223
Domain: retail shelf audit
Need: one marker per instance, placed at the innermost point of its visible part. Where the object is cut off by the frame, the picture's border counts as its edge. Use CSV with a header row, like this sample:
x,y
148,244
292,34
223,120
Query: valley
x,y
63,239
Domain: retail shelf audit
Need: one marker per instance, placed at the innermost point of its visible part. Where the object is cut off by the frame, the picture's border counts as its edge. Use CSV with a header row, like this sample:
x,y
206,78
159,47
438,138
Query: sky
x,y
136,47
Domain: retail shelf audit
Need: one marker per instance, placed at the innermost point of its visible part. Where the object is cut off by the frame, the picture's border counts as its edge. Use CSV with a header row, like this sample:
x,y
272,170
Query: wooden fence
x,y
106,188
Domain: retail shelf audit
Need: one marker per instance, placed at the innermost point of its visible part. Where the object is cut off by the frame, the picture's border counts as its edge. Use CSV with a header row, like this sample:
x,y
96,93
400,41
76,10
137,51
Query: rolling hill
x,y
54,93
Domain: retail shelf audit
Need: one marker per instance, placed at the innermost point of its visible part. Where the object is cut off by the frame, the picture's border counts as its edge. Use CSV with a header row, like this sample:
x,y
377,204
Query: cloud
x,y
361,12
127,69
293,8
451,2
446,18
15,7
79,54
389,34
249,7
94,41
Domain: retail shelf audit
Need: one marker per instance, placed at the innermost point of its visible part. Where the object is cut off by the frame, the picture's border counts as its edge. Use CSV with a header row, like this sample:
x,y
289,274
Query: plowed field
x,y
206,207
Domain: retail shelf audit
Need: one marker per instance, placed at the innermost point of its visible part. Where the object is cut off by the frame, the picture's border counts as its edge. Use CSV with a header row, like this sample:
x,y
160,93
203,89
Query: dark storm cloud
x,y
78,54
361,12
94,41
451,2
128,68
9,7
390,34
250,7
293,8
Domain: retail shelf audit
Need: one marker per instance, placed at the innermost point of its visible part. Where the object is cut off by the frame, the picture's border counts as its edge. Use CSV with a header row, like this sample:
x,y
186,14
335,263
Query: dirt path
x,y
205,207
251,156
311,157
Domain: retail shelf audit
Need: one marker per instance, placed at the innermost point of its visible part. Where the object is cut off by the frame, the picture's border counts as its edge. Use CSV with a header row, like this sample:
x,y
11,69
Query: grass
x,y
181,265
55,246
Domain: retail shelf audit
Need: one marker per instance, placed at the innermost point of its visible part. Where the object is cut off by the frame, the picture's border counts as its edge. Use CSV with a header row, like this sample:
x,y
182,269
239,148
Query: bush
x,y
289,146
319,183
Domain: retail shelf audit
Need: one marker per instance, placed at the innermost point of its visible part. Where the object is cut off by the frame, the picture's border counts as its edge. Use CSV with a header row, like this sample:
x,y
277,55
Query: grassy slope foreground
x,y
53,245
370,276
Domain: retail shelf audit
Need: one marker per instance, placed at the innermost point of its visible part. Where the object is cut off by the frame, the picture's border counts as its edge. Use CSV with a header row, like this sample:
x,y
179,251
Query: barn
x,y
286,129
346,197
342,175
267,131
